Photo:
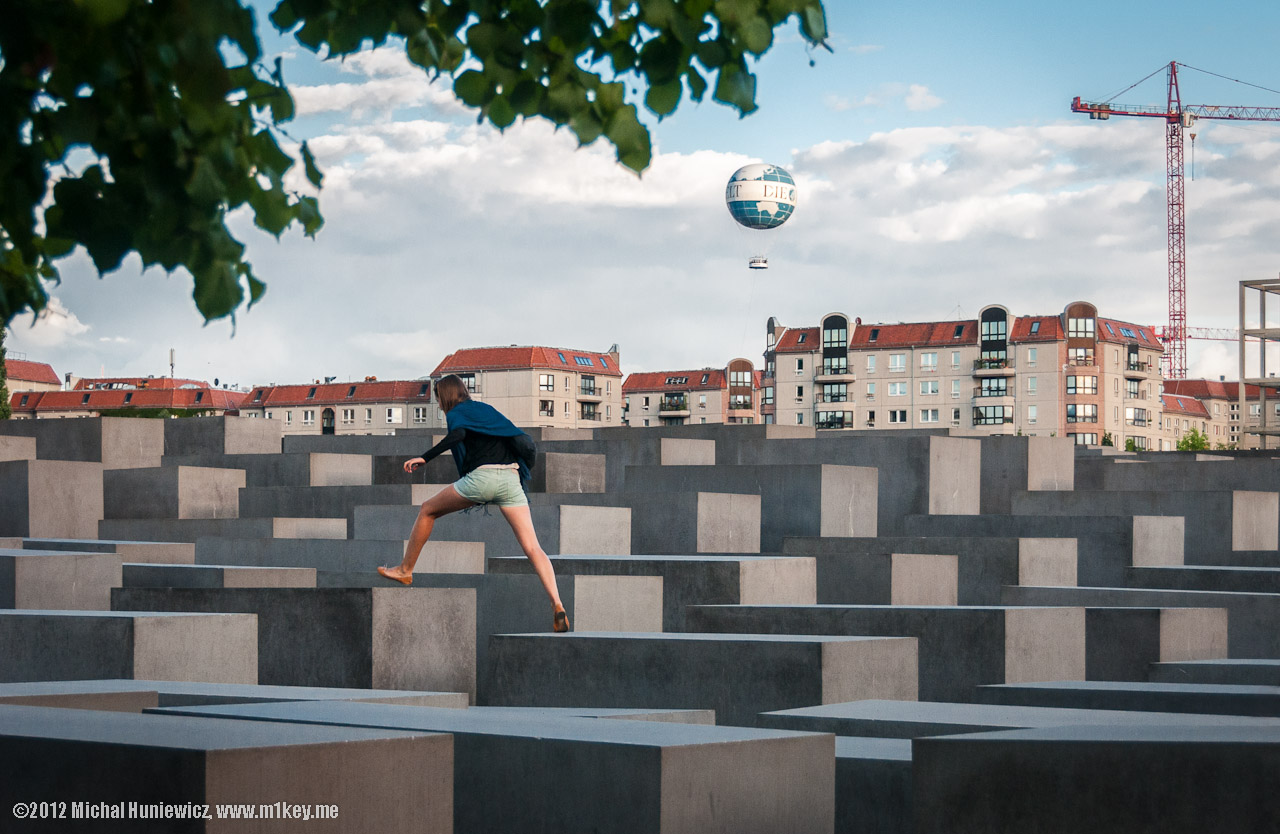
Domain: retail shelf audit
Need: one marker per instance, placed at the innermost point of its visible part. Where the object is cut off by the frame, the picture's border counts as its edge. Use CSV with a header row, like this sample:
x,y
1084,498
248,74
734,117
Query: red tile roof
x,y
31,371
919,334
1109,331
1209,389
798,340
657,381
135,382
521,357
1177,404
1050,329
193,398
338,393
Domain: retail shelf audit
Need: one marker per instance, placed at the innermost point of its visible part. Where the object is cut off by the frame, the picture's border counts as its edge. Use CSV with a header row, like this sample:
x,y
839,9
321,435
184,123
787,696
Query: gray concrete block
x,y
859,571
923,719
873,785
277,470
1251,618
17,448
923,579
146,645
44,694
1167,779
1199,578
1255,520
568,473
222,436
1235,672
1208,699
35,579
450,557
595,530
618,603
677,451
308,528
339,555
580,775
80,758
156,552
1123,642
737,675
1158,540
671,716
1046,561
693,580
196,693
114,442
382,638
213,576
959,648
172,492
1013,464
50,497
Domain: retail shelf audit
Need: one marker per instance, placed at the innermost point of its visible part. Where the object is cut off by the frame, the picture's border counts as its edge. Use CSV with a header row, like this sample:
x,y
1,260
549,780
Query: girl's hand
x,y
413,463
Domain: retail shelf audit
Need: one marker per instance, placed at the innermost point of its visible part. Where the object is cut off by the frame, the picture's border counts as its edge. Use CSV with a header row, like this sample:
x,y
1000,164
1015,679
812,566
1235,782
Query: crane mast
x,y
1177,118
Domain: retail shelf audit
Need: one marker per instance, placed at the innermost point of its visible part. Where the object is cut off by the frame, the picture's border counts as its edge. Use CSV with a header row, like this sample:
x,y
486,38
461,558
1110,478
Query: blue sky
x,y
939,165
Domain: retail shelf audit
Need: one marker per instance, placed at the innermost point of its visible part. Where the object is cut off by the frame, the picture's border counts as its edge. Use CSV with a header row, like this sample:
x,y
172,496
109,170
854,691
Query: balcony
x,y
1137,421
981,392
1135,395
1081,361
674,407
1137,369
835,375
593,416
836,398
590,393
993,367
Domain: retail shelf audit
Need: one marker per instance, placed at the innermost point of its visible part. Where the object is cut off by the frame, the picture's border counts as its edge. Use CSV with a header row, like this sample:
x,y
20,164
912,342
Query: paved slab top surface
x,y
998,715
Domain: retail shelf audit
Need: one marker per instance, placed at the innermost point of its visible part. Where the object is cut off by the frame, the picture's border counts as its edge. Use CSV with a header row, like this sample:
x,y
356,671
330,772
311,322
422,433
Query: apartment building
x,y
125,395
1074,375
1221,402
368,407
21,375
1181,415
542,386
709,395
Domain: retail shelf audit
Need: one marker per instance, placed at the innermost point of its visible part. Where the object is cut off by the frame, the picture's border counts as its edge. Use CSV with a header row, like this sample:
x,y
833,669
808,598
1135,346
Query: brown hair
x,y
450,391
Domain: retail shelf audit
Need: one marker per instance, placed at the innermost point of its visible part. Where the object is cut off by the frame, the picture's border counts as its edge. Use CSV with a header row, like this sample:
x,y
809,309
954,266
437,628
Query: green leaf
x,y
217,290
308,213
630,138
737,88
472,87
813,24
586,126
697,84
757,35
314,175
501,113
256,288
663,98
105,12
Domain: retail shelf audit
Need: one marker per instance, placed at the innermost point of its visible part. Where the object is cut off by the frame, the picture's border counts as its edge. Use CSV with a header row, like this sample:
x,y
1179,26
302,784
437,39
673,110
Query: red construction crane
x,y
1177,118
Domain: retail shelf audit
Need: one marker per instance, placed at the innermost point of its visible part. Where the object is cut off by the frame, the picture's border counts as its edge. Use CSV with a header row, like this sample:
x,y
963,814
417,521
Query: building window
x,y
799,366
1082,385
955,416
582,360
563,361
955,389
1086,439
311,395
871,364
738,401
736,378
1082,413
929,361
835,392
348,416
955,359
566,385
1031,414
799,418
833,420
897,362
419,414
871,418
1031,352
799,393
469,380
834,365
546,408
994,330
589,412
351,392
992,415
25,397
768,396
871,390
994,387
1080,356
928,415
1031,385
1080,328
393,415
928,386
1135,416
588,386
646,402
308,418
128,398
288,418
702,401
546,382
897,389
835,337
897,415
368,416
1131,389
566,411
1035,328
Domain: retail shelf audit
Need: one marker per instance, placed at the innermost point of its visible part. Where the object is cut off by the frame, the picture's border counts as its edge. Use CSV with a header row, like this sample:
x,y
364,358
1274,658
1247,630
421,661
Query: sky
x,y
939,170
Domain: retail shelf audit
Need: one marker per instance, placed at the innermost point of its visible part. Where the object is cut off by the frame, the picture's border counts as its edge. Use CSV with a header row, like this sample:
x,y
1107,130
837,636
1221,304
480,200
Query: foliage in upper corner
x,y
150,121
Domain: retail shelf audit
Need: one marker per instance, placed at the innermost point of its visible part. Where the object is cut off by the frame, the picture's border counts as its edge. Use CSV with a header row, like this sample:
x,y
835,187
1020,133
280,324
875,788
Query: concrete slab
x,y
1200,698
579,775
737,675
65,580
1123,779
191,693
17,448
50,497
693,580
1122,643
381,638
154,552
1046,561
959,647
1199,578
921,719
873,785
148,645
1235,672
923,579
1158,540
94,764
213,576
114,442
222,436
172,492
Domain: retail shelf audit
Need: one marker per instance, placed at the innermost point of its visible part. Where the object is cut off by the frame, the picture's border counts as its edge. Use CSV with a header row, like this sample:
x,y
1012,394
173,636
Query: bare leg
x,y
522,525
442,503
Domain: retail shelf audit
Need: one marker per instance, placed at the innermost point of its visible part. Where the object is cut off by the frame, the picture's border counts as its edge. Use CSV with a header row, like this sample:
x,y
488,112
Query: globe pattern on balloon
x,y
761,196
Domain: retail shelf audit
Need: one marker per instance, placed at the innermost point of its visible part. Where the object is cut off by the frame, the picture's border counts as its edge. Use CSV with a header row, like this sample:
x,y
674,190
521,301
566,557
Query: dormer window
x,y
875,334
257,396
959,331
128,398
351,392
426,386
199,396
311,395
800,341
1035,327
84,400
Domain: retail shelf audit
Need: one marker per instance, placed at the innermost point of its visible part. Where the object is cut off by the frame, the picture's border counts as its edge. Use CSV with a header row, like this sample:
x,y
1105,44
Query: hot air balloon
x,y
760,197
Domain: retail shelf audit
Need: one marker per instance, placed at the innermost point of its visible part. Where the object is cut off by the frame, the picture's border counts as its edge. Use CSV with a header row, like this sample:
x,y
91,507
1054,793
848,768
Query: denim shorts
x,y
492,486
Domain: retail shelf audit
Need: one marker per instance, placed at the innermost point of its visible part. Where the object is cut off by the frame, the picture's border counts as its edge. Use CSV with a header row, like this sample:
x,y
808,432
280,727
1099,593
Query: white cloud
x,y
865,48
54,327
919,98
389,81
